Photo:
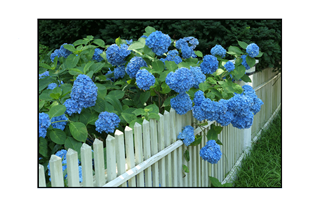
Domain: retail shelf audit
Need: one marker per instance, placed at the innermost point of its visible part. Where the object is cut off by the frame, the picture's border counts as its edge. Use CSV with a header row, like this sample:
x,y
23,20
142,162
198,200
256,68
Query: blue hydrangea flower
x,y
107,122
116,55
198,113
194,55
192,41
187,135
181,80
64,52
224,115
134,65
209,65
56,53
244,62
243,122
173,55
143,36
158,42
119,72
211,152
229,66
61,83
62,154
181,103
129,42
96,56
59,125
198,98
42,75
111,78
218,50
72,107
84,91
255,108
239,105
247,90
145,79
210,109
186,51
198,76
44,123
52,86
252,50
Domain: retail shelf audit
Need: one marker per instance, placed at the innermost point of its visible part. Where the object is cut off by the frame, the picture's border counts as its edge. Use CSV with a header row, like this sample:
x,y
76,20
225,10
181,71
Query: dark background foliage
x,y
266,33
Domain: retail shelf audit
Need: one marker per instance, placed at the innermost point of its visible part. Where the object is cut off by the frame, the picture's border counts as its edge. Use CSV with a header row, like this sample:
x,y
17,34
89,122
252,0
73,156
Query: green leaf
x,y
167,101
186,155
237,88
87,115
102,90
165,88
45,66
149,30
144,96
99,42
243,44
163,75
118,94
198,53
43,147
238,61
185,168
128,117
246,78
215,182
197,140
203,124
114,102
75,71
217,129
44,82
136,45
80,42
72,60
204,86
73,144
235,50
139,111
109,107
239,71
219,71
171,65
211,80
99,106
69,47
57,111
158,66
152,108
154,116
260,54
57,136
96,67
118,41
87,66
250,61
79,131
41,103
148,51
212,134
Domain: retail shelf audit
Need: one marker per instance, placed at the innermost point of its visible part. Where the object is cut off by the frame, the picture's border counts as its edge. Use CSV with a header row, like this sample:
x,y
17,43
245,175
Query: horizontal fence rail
x,y
153,157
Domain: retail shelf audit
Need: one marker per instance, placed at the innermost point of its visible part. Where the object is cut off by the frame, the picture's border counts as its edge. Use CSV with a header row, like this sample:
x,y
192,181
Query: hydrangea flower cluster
x,y
218,50
134,65
107,122
42,75
56,53
244,62
187,135
173,55
83,95
229,66
158,42
116,55
225,116
96,56
52,86
145,79
252,50
198,76
44,123
186,50
249,92
64,52
181,80
181,103
59,125
63,155
209,65
119,72
111,78
211,152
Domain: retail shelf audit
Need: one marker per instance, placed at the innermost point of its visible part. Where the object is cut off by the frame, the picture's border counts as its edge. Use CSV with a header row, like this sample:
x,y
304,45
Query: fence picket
x,y
130,153
154,150
174,153
161,145
56,172
146,151
73,168
98,163
138,151
111,158
167,143
86,164
42,179
120,155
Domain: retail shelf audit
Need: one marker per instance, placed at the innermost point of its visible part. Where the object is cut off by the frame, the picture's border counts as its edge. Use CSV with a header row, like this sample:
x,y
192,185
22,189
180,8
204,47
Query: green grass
x,y
262,168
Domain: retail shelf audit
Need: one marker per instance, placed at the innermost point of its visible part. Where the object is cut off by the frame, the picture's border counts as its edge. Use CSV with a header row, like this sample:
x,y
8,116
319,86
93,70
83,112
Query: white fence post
x,y
86,164
120,157
130,153
72,168
99,162
56,172
42,179
111,158
138,151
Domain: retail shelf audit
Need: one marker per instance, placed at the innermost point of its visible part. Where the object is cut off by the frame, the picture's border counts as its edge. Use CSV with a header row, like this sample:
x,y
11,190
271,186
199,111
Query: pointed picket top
x,y
85,146
166,112
110,138
97,142
172,110
145,122
118,133
71,152
56,172
137,124
128,128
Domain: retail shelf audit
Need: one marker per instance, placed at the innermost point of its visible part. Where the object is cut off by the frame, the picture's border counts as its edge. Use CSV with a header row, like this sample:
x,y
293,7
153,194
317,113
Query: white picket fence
x,y
153,156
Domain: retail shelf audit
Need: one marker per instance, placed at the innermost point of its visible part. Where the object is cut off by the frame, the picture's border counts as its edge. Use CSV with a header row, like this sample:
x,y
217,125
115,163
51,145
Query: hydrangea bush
x,y
88,89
